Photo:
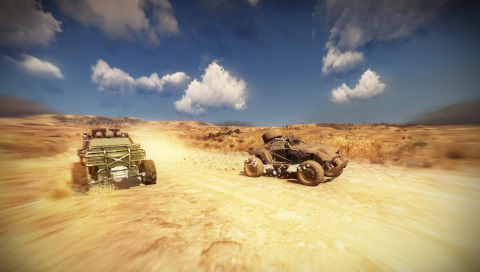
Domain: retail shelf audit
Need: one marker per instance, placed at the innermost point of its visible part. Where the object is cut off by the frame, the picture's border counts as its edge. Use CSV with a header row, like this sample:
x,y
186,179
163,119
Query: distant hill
x,y
18,110
100,121
90,121
181,124
233,124
466,113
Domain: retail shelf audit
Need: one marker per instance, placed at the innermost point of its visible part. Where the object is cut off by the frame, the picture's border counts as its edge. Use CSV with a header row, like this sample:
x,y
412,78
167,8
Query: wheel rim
x,y
249,167
310,174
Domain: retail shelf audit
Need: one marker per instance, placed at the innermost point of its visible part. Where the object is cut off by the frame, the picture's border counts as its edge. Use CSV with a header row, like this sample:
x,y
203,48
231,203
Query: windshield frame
x,y
109,142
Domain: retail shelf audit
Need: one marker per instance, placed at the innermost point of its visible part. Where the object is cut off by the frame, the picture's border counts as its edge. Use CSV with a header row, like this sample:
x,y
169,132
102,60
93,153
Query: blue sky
x,y
263,62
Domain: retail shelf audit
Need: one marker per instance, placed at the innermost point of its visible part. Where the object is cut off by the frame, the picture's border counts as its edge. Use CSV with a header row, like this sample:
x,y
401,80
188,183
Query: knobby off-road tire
x,y
271,134
253,167
79,179
310,173
148,167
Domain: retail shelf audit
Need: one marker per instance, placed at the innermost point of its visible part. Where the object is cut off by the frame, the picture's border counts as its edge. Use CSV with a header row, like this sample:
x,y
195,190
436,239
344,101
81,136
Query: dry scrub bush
x,y
234,142
363,148
358,147
464,150
454,154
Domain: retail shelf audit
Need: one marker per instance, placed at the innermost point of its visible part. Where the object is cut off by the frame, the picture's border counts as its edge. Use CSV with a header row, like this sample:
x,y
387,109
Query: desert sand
x,y
204,214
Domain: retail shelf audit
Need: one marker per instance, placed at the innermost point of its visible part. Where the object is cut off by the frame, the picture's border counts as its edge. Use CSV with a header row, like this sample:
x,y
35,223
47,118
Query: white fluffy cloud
x,y
116,80
341,62
357,23
112,79
125,19
24,24
176,78
36,66
154,83
368,87
217,89
149,84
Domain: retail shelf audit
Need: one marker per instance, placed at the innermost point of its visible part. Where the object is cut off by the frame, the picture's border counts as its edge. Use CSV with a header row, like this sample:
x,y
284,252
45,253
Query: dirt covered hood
x,y
325,152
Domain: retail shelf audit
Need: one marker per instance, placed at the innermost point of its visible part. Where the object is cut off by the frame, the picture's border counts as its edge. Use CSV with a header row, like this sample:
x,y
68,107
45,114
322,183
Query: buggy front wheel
x,y
310,173
148,172
79,179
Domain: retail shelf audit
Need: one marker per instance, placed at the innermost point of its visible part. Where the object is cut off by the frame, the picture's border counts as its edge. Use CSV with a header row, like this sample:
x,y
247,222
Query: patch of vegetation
x,y
420,143
358,147
454,155
233,142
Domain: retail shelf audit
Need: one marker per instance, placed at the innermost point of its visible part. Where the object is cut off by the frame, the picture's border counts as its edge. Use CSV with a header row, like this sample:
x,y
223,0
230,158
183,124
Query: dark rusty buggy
x,y
110,155
313,161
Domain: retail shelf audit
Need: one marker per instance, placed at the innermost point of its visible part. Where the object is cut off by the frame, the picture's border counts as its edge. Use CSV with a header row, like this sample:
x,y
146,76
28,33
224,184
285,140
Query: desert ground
x,y
408,201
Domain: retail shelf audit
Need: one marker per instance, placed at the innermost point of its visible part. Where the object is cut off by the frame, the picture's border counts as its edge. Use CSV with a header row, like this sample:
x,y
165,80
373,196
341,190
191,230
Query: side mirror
x,y
138,145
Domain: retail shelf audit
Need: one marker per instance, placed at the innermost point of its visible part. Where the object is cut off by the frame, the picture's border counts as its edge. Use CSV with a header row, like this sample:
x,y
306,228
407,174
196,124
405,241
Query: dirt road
x,y
372,218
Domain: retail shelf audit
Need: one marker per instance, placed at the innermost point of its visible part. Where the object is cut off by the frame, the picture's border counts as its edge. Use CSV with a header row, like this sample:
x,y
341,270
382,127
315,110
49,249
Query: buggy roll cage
x,y
284,143
104,154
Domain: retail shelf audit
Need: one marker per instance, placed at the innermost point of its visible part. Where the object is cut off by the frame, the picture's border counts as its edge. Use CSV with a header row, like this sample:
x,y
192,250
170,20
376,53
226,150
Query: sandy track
x,y
371,218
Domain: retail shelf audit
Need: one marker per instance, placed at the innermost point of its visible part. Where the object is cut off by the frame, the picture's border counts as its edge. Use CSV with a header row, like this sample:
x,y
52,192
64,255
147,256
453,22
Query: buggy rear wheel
x,y
310,173
148,172
79,179
253,167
